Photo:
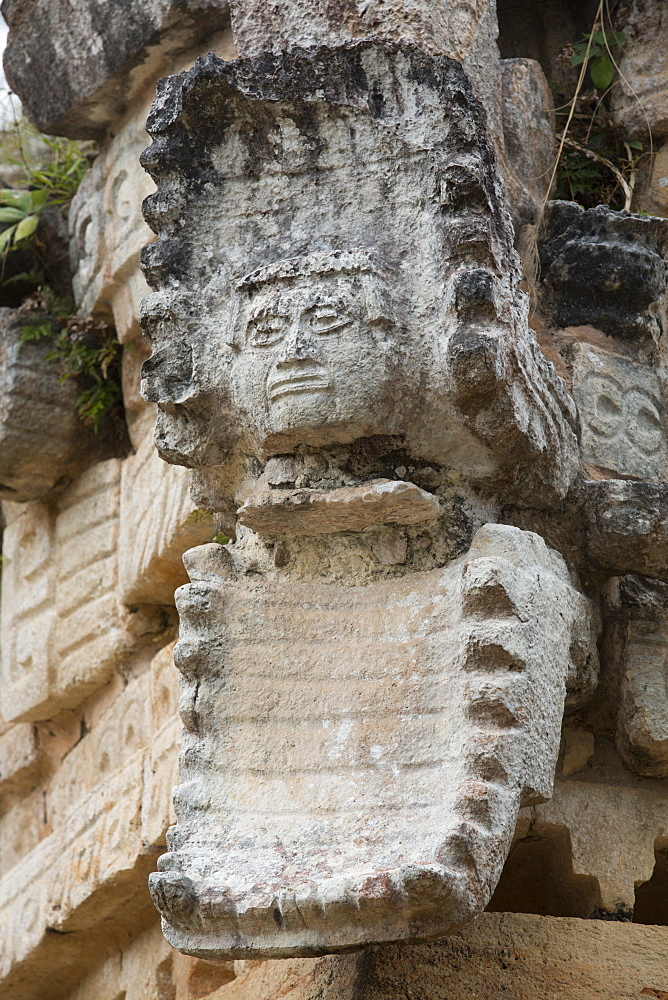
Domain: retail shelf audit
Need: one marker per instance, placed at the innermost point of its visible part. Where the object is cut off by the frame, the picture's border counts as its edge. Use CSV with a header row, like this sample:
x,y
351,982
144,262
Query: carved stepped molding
x,y
354,758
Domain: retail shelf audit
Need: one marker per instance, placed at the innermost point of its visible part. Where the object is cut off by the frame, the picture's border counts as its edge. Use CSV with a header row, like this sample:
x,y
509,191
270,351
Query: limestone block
x,y
528,124
501,955
124,729
107,230
163,688
579,745
642,735
84,881
42,441
23,907
645,694
156,527
329,802
142,971
352,508
626,526
621,409
372,217
103,860
75,76
27,609
22,826
162,777
640,100
659,179
613,829
20,758
148,969
606,269
62,624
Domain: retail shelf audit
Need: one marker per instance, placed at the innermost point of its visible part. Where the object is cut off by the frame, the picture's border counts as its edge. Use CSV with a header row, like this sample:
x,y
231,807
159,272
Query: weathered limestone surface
x,y
107,810
452,716
157,526
641,98
62,624
626,526
89,66
528,130
352,508
516,99
586,809
642,736
107,231
42,441
379,669
320,330
605,268
622,423
501,955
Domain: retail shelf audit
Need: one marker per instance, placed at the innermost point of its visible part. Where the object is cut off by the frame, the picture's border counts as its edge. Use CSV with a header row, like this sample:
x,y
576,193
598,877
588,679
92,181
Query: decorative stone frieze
x,y
621,409
157,525
62,623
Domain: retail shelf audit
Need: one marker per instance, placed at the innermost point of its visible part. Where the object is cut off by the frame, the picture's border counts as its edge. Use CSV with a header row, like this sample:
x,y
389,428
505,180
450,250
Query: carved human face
x,y
312,358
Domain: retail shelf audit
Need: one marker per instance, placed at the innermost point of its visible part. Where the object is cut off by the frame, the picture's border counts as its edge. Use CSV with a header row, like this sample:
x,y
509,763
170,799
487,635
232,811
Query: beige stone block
x,y
27,617
613,829
107,230
156,527
97,852
23,908
122,730
578,748
352,508
640,99
162,777
62,623
87,880
500,956
22,828
659,178
20,758
643,714
195,979
163,687
58,735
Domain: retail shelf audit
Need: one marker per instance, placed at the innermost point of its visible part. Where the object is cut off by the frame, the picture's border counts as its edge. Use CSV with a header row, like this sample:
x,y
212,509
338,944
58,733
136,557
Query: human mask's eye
x,y
326,319
265,330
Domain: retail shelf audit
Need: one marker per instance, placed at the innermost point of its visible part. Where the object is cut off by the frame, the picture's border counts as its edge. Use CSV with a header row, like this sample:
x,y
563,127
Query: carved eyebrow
x,y
328,303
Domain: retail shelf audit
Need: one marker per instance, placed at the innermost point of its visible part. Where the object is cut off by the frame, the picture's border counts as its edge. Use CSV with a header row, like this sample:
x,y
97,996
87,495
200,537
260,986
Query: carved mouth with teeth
x,y
303,380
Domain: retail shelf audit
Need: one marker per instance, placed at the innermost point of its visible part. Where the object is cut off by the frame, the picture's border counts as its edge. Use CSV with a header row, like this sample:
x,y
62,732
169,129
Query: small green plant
x,y
197,516
83,348
596,164
596,52
51,170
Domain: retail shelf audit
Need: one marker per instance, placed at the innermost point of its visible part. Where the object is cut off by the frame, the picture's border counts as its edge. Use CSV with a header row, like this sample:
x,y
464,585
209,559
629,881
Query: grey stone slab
x,y
622,419
75,67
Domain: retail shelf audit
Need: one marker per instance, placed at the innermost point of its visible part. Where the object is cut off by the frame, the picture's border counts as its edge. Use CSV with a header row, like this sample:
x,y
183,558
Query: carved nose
x,y
296,346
